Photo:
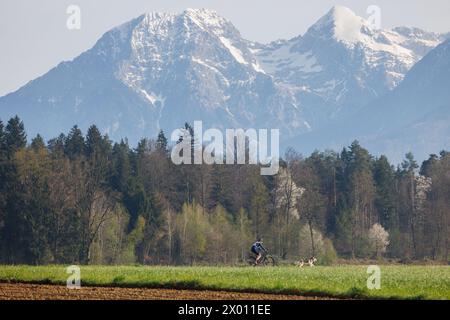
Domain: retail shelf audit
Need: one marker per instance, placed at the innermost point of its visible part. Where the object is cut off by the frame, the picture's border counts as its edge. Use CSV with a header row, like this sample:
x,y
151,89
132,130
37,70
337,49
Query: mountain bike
x,y
266,260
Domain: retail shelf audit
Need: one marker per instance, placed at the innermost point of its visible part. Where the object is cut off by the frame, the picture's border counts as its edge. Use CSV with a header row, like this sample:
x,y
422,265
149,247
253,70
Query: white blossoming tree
x,y
379,239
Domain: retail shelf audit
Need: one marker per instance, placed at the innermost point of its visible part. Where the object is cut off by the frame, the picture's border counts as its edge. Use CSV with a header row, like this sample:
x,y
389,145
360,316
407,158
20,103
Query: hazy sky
x,y
34,37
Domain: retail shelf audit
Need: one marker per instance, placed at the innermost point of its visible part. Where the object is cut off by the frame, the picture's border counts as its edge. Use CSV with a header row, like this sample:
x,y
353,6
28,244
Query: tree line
x,y
84,199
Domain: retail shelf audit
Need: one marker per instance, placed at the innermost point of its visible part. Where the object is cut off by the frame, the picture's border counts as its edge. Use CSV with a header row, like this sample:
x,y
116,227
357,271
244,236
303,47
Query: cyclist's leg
x,y
253,255
258,257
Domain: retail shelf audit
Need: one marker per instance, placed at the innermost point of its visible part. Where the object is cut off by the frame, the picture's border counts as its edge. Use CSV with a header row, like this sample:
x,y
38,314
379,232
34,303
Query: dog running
x,y
307,262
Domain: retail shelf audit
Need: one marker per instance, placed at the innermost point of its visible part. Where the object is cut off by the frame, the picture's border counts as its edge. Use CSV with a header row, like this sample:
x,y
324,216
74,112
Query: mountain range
x,y
342,80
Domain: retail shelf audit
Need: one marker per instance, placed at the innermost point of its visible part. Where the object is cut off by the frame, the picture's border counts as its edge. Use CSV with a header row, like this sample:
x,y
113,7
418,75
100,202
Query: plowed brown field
x,y
22,291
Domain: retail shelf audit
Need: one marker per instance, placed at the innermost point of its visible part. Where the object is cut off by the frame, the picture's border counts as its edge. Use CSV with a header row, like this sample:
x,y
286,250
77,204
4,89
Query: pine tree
x,y
56,146
74,143
409,166
37,143
360,195
15,135
2,141
143,147
427,165
385,202
93,140
98,151
121,166
161,142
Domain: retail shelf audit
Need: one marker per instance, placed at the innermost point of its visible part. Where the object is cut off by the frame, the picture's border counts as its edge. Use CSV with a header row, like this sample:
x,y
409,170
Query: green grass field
x,y
405,282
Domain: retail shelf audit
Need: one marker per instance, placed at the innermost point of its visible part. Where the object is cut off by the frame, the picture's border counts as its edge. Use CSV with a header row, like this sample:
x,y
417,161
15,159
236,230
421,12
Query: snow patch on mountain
x,y
235,52
284,56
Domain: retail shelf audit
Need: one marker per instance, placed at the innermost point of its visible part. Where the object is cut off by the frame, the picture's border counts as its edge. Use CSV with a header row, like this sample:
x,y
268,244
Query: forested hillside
x,y
80,198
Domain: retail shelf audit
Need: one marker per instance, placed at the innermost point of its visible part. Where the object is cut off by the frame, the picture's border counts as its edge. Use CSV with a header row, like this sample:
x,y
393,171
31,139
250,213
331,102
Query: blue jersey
x,y
257,247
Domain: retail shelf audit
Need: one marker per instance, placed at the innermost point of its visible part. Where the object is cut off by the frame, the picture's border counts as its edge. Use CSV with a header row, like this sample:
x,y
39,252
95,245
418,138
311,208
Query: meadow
x,y
349,281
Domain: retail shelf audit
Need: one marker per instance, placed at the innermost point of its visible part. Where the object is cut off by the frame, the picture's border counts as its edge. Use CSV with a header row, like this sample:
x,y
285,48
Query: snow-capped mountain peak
x,y
160,70
208,20
344,62
198,55
342,24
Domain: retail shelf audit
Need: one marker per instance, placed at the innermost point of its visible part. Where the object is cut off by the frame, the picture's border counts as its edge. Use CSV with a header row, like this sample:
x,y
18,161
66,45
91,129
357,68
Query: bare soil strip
x,y
23,291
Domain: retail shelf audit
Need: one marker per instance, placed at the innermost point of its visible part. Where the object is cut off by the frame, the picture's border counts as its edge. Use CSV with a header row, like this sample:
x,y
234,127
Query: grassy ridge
x,y
406,282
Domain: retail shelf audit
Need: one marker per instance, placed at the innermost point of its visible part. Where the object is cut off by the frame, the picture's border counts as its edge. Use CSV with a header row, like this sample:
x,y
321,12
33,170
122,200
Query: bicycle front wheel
x,y
270,261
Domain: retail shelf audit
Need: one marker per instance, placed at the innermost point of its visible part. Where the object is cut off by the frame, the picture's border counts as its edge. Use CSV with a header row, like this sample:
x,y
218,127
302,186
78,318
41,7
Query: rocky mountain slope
x,y
161,70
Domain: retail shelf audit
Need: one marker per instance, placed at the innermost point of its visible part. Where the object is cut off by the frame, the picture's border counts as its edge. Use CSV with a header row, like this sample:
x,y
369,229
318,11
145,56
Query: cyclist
x,y
258,248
